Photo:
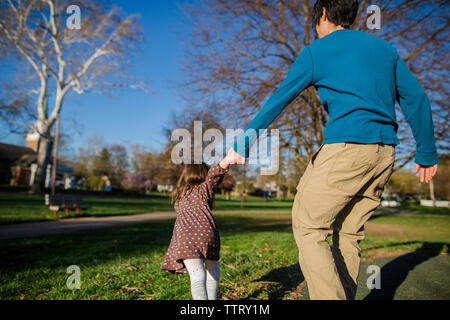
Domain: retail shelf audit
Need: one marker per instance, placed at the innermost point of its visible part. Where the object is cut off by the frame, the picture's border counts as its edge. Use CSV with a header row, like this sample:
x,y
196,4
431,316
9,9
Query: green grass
x,y
253,205
421,227
414,206
258,259
16,208
250,198
258,254
115,261
21,207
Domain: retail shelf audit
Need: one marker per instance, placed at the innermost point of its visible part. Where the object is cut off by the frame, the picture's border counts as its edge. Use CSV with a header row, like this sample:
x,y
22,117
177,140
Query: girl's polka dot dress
x,y
195,234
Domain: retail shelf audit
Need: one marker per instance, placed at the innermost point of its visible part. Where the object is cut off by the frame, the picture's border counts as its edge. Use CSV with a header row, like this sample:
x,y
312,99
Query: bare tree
x,y
242,50
205,120
18,114
147,162
119,160
61,59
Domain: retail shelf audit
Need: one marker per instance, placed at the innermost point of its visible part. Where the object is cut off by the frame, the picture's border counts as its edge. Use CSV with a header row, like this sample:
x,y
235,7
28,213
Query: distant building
x,y
18,165
15,164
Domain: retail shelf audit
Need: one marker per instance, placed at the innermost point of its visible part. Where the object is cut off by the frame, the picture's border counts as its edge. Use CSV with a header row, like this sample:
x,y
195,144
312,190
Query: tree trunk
x,y
45,148
44,125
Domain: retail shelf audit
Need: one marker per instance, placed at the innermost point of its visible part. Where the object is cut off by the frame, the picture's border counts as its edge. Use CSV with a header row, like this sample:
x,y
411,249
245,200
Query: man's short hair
x,y
340,12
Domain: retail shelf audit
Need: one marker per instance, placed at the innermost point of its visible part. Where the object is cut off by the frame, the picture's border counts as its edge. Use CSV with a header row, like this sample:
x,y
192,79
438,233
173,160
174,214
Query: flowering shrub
x,y
136,182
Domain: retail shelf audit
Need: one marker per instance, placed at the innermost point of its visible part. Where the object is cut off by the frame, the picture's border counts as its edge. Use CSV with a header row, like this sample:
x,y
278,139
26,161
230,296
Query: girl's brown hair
x,y
192,175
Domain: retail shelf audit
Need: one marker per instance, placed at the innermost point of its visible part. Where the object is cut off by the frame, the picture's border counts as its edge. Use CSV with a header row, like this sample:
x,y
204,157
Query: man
x,y
359,77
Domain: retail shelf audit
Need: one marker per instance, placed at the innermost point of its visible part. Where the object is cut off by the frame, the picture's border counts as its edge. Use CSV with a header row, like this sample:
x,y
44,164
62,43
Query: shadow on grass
x,y
127,205
21,201
251,206
242,224
410,211
282,281
394,273
391,245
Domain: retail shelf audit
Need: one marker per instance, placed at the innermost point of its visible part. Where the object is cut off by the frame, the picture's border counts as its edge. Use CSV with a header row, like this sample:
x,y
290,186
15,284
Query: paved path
x,y
66,225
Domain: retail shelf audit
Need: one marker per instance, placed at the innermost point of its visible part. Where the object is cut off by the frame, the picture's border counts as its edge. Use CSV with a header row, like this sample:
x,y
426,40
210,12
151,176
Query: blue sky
x,y
132,116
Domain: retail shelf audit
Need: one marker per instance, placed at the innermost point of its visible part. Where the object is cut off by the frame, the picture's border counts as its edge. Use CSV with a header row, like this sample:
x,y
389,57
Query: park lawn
x,y
414,206
17,208
220,196
420,227
258,259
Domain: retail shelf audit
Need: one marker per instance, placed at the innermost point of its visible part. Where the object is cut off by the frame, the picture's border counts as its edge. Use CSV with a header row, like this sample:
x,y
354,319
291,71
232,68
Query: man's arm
x,y
417,110
300,77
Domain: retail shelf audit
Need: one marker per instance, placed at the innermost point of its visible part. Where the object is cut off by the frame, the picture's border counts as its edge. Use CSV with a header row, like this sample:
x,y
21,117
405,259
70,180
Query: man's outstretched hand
x,y
426,172
235,158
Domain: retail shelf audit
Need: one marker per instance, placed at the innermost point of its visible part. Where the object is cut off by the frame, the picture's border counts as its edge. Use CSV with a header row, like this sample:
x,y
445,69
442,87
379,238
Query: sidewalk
x,y
73,224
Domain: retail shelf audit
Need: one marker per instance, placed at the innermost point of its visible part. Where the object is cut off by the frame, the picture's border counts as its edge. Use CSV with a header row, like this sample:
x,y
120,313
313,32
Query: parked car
x,y
390,203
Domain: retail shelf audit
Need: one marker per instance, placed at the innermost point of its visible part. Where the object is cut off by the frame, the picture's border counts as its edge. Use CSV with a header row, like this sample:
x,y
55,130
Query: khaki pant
x,y
337,194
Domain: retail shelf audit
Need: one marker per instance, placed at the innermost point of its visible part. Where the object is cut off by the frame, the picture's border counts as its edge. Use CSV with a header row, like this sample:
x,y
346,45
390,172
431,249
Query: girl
x,y
195,238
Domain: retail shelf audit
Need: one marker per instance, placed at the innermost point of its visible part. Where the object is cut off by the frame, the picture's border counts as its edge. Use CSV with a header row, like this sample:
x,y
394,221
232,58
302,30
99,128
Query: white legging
x,y
204,285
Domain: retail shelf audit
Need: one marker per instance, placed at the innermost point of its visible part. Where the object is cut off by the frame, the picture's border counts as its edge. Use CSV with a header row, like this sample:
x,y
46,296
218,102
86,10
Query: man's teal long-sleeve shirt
x,y
359,77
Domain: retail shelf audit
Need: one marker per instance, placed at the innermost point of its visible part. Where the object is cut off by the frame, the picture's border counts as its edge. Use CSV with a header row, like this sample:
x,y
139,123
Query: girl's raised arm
x,y
214,178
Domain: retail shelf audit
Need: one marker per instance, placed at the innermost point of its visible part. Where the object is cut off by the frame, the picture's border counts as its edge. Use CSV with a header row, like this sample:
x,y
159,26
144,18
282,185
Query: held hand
x,y
234,157
231,158
426,172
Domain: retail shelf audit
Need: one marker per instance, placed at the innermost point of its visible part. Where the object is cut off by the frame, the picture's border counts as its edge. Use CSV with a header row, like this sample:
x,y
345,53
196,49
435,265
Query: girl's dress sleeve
x,y
214,178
